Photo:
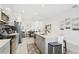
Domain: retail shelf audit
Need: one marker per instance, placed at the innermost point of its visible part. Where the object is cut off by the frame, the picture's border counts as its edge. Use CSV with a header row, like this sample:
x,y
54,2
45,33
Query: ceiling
x,y
38,11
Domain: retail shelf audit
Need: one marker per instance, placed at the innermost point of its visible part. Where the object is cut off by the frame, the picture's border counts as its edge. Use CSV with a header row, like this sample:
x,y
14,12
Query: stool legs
x,y
65,46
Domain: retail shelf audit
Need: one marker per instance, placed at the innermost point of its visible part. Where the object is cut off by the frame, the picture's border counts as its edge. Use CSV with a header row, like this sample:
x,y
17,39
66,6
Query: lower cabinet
x,y
13,45
40,43
5,49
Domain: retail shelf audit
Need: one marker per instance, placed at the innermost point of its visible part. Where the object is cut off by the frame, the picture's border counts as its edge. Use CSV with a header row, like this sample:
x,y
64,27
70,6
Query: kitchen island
x,y
5,46
41,41
13,42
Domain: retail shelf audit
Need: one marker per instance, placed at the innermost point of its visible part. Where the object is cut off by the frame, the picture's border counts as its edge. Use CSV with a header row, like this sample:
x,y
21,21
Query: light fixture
x,y
23,11
42,5
19,18
8,9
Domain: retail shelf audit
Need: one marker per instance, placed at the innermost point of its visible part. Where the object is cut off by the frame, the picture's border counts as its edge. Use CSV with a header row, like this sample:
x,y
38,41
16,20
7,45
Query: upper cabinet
x,y
3,17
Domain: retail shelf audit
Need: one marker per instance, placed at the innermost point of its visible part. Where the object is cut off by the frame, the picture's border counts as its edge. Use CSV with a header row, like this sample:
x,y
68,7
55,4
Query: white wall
x,y
71,36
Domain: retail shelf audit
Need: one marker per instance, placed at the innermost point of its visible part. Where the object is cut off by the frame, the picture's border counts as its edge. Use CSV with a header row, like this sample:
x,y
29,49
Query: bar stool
x,y
60,40
54,48
65,46
63,42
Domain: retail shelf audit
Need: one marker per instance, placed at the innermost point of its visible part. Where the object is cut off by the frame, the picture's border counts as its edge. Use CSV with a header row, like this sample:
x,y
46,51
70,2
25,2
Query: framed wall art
x,y
61,25
67,23
75,23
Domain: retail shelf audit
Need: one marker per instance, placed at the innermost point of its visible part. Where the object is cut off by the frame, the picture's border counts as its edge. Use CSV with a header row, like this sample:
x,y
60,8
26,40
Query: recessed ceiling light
x,y
7,9
23,11
42,5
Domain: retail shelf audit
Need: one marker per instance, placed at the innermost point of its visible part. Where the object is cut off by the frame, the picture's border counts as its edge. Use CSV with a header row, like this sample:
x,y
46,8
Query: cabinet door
x,y
4,17
13,45
42,44
5,49
0,14
37,41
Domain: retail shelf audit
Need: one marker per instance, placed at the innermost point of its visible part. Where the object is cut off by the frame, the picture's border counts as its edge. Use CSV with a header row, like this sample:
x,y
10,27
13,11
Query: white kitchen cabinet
x,y
5,46
3,17
40,42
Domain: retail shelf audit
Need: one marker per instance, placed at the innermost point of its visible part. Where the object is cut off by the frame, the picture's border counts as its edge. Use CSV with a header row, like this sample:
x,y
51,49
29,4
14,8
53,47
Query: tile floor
x,y
22,48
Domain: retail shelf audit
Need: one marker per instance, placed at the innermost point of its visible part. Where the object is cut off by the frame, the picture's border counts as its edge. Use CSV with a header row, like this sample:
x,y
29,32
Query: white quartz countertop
x,y
49,35
3,42
12,34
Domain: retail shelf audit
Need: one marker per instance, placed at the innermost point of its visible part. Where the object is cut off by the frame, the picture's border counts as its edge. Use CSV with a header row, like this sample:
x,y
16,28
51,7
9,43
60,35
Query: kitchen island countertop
x,y
49,35
12,34
3,42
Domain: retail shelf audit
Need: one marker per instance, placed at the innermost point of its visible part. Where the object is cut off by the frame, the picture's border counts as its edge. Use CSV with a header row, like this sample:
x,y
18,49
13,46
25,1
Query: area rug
x,y
32,49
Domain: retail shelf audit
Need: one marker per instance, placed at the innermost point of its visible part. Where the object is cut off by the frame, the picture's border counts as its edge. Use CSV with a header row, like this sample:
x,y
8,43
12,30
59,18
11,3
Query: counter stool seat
x,y
54,48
